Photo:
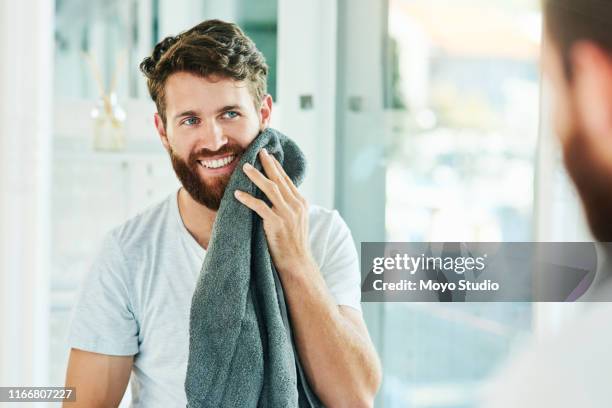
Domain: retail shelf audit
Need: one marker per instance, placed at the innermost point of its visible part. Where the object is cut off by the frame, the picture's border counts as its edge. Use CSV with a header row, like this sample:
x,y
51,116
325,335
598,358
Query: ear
x,y
592,89
265,111
161,130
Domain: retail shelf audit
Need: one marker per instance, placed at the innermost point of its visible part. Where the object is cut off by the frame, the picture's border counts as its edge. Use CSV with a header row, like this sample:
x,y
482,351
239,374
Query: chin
x,y
210,194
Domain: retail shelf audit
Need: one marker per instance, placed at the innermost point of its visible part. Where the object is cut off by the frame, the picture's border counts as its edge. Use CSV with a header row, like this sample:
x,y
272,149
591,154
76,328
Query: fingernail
x,y
264,151
237,193
247,166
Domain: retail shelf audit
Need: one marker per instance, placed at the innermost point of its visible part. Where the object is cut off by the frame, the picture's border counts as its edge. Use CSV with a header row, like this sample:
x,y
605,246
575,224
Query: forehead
x,y
185,91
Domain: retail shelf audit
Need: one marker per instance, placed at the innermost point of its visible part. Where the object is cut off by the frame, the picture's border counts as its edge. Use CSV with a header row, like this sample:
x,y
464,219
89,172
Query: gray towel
x,y
241,352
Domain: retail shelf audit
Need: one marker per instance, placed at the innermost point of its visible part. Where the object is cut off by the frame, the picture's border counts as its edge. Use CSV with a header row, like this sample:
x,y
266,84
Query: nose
x,y
212,136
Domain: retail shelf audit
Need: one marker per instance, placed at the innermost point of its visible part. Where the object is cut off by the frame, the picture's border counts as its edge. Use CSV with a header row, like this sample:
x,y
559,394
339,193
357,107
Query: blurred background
x,y
422,120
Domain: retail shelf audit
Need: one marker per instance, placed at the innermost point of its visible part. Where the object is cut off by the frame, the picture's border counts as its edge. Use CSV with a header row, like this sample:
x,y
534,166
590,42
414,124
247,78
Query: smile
x,y
217,163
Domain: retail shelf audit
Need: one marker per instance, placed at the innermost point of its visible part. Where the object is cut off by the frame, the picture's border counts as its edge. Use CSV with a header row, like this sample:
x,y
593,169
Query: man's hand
x,y
286,222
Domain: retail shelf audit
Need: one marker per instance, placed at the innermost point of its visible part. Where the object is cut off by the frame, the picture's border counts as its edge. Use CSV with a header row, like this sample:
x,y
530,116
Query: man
x,y
209,86
573,368
578,61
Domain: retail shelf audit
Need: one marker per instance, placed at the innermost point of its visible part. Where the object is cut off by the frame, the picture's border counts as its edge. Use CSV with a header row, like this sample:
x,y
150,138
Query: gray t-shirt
x,y
135,300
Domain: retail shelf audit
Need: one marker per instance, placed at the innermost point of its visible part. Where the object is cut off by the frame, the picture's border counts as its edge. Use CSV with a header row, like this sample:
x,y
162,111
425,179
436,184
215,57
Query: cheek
x,y
560,102
559,117
181,146
242,132
562,113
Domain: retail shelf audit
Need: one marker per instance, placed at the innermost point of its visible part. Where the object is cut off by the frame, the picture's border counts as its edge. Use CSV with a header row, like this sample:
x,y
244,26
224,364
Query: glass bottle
x,y
109,124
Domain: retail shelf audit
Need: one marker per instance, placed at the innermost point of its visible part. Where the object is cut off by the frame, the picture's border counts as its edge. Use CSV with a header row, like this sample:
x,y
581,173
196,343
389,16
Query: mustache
x,y
205,153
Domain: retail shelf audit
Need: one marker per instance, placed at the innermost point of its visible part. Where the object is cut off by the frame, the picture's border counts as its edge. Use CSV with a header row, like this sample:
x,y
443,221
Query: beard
x,y
208,192
592,176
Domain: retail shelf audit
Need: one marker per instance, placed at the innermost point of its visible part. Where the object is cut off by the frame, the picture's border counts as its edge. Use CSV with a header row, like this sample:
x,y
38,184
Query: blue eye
x,y
231,114
191,121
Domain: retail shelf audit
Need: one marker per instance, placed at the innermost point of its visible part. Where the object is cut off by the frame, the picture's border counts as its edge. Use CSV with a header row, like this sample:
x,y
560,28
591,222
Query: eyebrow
x,y
185,113
229,108
195,113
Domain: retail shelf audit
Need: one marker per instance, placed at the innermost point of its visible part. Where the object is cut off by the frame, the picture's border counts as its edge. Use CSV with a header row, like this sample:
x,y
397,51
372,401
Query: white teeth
x,y
215,164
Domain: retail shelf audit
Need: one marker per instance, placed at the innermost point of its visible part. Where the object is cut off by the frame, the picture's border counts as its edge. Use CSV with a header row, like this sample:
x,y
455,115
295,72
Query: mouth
x,y
219,165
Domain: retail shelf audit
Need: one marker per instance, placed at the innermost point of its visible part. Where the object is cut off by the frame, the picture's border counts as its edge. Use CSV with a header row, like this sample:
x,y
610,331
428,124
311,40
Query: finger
x,y
269,188
269,165
286,178
255,204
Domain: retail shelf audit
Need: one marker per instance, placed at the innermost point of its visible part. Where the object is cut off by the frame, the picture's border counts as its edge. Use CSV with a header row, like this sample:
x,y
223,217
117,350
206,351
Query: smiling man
x,y
132,315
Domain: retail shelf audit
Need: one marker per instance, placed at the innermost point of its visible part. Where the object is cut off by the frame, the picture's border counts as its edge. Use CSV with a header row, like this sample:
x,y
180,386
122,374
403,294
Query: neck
x,y
197,218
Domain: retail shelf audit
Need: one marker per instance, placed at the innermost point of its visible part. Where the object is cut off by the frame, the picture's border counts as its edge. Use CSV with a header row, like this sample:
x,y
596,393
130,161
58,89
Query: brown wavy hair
x,y
213,47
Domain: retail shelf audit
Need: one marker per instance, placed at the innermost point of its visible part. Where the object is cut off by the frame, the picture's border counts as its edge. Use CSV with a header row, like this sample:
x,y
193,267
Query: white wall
x,y
307,66
362,126
176,16
226,10
26,41
362,131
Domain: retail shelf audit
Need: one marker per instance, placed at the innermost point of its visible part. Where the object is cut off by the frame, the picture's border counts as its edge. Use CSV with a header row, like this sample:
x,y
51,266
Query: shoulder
x,y
126,250
551,371
126,245
324,221
144,227
317,212
330,237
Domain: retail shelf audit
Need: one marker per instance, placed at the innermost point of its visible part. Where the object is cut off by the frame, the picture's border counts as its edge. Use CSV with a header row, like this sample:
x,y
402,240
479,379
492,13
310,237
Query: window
x,y
463,103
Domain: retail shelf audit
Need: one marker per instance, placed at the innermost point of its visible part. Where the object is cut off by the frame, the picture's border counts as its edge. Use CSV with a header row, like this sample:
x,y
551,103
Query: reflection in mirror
x,y
115,185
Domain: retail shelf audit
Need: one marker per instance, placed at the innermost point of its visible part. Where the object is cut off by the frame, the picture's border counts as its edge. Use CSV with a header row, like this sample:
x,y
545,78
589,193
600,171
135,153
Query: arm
x,y
103,333
100,380
333,342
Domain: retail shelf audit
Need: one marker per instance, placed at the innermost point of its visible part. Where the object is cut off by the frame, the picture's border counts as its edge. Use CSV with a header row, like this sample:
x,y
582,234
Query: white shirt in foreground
x,y
569,370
